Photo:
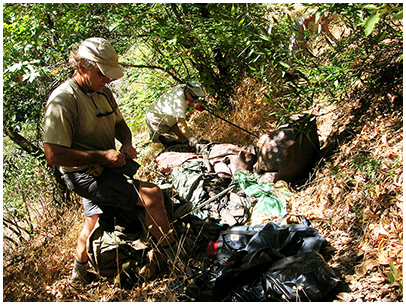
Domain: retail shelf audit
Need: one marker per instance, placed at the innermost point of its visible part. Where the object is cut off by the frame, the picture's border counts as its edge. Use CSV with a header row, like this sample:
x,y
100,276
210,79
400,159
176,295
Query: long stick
x,y
200,107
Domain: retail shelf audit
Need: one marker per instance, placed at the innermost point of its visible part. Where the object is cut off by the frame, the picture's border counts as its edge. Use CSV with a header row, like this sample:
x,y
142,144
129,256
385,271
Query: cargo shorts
x,y
156,128
106,191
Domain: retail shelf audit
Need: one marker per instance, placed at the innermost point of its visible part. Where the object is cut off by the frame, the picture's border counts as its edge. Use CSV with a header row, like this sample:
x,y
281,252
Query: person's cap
x,y
103,54
195,88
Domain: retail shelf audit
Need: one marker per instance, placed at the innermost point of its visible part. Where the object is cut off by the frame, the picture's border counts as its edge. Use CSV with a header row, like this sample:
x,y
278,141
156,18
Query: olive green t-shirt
x,y
71,119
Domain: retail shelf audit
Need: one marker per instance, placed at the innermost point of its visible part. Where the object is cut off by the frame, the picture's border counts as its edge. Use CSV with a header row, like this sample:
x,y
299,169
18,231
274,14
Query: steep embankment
x,y
354,198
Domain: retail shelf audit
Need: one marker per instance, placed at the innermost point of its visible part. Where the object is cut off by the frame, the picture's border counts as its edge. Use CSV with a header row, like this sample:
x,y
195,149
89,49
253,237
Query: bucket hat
x,y
196,88
103,54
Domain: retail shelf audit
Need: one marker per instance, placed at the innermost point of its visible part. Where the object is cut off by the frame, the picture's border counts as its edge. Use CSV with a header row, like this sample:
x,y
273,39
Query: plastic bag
x,y
264,275
304,277
288,239
268,202
267,262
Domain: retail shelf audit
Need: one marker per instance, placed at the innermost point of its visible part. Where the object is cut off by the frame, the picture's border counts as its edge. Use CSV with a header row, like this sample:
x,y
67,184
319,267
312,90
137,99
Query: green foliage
x,y
363,164
208,42
36,43
23,181
326,77
395,276
218,44
367,168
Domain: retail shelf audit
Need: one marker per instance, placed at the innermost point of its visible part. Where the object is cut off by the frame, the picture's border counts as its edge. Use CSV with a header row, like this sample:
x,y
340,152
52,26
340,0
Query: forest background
x,y
240,54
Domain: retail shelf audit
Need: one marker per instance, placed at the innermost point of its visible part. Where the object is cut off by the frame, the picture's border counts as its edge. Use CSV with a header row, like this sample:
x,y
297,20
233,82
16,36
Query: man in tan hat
x,y
82,122
168,114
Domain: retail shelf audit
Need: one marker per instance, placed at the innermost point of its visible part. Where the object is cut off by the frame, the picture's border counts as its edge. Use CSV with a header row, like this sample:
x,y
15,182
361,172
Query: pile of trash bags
x,y
250,260
268,262
192,189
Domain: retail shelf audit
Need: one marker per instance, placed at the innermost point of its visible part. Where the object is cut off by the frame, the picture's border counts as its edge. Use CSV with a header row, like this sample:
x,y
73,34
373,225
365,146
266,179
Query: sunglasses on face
x,y
99,113
193,95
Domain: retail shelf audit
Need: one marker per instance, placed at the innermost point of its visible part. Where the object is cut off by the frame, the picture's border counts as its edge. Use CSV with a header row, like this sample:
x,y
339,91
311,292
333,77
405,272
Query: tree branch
x,y
152,67
24,143
35,152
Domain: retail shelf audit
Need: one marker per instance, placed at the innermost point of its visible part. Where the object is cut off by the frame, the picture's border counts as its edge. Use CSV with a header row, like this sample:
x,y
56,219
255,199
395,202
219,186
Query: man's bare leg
x,y
81,253
79,271
155,214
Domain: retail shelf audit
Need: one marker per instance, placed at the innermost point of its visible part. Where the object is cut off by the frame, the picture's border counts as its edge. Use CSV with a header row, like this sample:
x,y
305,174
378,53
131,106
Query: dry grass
x,y
356,203
358,207
249,112
363,223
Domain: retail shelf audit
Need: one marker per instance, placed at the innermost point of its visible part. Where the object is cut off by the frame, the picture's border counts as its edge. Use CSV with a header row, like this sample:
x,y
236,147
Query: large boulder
x,y
290,152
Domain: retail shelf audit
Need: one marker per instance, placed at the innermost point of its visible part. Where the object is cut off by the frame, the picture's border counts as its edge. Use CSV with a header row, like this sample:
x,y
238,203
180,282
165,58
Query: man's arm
x,y
184,129
63,156
123,134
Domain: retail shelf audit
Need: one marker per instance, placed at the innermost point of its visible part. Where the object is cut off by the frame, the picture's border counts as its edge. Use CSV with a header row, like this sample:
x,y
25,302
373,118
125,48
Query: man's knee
x,y
90,223
151,194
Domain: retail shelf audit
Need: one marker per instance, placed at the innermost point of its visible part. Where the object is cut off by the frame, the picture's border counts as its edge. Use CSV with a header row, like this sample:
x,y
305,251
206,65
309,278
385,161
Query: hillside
x,y
354,197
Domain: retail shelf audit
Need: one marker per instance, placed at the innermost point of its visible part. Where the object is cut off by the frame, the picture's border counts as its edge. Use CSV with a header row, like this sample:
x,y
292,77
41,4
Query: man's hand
x,y
123,134
113,158
128,151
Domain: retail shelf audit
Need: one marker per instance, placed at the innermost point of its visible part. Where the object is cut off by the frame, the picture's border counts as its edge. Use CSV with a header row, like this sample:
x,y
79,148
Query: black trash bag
x,y
236,277
268,262
263,276
289,239
303,277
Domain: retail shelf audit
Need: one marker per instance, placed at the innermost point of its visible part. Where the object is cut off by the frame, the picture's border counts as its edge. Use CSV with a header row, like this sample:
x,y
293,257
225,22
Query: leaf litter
x,y
354,198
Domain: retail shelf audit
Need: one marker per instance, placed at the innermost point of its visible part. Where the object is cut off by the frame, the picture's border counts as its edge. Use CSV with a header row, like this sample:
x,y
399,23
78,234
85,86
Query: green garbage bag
x,y
268,202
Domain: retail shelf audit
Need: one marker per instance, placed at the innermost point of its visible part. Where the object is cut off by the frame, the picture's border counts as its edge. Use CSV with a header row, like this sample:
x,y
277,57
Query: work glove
x,y
192,141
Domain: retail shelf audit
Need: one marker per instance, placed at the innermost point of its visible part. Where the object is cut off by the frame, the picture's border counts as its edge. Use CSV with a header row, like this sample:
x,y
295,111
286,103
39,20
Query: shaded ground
x,y
354,199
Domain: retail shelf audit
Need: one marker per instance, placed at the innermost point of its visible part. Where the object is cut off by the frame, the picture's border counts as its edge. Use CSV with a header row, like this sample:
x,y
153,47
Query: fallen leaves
x,y
359,209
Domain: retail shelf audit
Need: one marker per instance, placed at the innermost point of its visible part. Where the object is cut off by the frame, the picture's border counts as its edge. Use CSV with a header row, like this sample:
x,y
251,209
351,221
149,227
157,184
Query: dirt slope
x,y
354,199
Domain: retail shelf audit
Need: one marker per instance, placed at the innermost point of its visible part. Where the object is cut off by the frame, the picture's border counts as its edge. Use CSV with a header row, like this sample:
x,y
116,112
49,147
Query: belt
x,y
93,169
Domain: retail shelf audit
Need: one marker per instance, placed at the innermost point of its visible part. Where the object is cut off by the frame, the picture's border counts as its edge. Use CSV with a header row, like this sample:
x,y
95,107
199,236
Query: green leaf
x,y
113,26
15,67
370,23
284,65
392,266
263,37
391,277
270,29
372,7
398,15
381,36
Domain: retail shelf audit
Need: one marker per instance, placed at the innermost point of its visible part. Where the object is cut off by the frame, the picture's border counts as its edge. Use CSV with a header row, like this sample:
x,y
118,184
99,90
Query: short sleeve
x,y
60,119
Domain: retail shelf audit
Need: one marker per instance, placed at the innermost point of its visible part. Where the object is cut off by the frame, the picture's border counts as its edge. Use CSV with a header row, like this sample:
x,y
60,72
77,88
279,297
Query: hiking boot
x,y
79,273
